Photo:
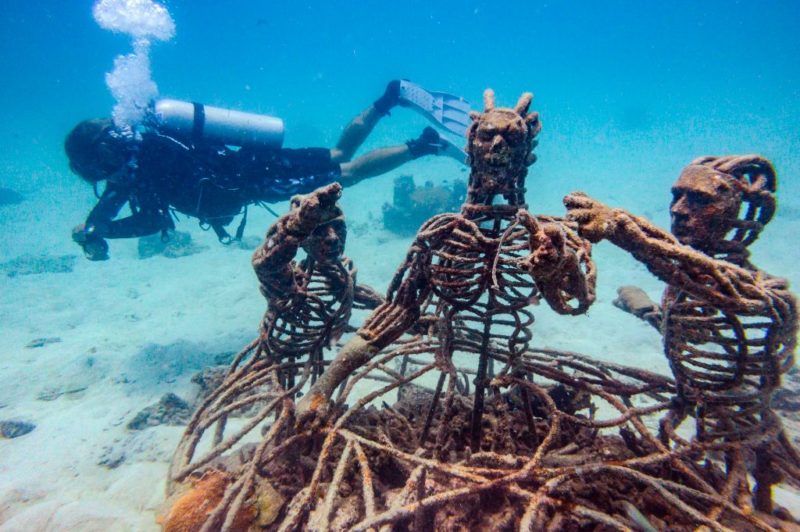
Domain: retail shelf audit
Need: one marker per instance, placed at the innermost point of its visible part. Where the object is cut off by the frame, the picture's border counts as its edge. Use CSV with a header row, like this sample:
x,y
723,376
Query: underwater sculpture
x,y
308,308
729,328
309,303
563,441
483,267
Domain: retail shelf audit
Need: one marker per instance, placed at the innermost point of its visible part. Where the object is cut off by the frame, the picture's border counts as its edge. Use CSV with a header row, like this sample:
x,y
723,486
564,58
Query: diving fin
x,y
451,150
446,110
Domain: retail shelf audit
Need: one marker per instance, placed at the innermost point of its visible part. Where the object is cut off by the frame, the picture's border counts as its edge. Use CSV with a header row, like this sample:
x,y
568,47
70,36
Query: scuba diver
x,y
211,163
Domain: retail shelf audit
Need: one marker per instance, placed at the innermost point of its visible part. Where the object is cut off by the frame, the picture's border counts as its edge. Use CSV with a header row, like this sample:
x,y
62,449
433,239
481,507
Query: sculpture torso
x,y
726,363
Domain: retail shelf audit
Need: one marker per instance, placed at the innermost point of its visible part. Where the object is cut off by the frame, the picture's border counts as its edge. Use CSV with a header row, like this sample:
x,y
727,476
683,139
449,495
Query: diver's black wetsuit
x,y
211,183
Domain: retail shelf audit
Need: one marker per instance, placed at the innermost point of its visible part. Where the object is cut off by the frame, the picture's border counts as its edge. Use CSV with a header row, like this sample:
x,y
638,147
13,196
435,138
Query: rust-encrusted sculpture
x,y
438,414
308,309
308,304
729,329
475,273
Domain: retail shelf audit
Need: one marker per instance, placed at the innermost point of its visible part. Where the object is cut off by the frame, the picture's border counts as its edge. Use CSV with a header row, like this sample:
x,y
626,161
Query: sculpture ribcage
x,y
299,328
727,363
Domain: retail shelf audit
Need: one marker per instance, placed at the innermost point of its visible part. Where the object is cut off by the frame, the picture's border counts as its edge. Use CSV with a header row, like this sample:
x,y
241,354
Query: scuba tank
x,y
206,124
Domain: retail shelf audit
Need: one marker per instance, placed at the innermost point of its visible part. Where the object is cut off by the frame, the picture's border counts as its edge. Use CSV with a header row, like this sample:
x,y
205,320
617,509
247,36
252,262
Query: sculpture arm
x,y
634,300
366,297
409,288
272,261
719,282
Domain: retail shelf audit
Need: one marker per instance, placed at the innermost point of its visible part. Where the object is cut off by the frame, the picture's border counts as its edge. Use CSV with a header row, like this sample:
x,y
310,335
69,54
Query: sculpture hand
x,y
595,220
548,250
312,411
318,207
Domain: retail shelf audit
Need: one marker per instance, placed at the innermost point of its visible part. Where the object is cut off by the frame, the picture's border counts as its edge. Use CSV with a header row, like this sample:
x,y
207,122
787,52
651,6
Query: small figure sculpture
x,y
309,303
484,266
729,329
308,308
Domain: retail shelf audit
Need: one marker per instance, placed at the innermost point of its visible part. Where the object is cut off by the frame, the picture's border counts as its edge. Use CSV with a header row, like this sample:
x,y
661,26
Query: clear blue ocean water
x,y
629,92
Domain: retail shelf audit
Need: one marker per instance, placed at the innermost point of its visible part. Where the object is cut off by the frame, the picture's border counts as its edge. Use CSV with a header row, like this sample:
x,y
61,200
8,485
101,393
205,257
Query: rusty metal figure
x,y
308,309
565,442
729,328
308,303
475,273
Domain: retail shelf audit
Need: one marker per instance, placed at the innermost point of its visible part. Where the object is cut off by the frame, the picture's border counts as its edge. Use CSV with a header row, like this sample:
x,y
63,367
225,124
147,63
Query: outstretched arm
x,y
146,219
272,261
719,282
388,321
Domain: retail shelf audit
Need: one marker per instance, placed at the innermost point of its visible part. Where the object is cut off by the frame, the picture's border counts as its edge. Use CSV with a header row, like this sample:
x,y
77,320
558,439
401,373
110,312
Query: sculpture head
x,y
326,242
500,147
717,196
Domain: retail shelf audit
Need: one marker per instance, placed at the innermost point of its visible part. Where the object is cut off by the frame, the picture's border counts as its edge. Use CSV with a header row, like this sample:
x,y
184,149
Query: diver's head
x,y
500,149
95,151
707,202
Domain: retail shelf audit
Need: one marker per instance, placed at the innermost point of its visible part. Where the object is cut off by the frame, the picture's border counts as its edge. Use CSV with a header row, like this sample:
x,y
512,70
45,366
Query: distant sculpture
x,y
412,205
729,328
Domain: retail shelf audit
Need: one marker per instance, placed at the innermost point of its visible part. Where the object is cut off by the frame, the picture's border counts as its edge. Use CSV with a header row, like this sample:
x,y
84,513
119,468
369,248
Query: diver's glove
x,y
94,247
428,143
390,98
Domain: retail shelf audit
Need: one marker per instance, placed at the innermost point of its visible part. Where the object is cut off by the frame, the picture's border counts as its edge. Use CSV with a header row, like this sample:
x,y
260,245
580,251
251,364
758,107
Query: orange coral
x,y
193,508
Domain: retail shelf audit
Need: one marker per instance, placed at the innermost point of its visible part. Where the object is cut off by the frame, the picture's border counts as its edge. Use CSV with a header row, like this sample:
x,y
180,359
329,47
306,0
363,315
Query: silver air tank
x,y
204,123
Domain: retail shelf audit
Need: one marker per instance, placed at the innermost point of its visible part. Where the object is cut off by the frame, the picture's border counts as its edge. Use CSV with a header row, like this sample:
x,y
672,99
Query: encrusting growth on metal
x,y
440,413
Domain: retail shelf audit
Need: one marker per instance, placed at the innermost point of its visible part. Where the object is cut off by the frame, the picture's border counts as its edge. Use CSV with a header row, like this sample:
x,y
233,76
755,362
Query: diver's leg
x,y
374,163
357,131
384,160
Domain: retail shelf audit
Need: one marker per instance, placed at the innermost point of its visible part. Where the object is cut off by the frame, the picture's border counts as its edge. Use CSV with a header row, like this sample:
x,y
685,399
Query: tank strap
x,y
198,123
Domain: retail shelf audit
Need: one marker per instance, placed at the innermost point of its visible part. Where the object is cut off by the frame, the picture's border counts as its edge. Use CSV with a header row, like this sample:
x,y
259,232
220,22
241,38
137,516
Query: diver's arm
x,y
719,282
91,234
147,219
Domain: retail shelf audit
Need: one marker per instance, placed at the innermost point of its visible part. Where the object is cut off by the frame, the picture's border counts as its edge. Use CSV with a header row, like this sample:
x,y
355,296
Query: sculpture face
x,y
705,206
499,148
326,242
500,141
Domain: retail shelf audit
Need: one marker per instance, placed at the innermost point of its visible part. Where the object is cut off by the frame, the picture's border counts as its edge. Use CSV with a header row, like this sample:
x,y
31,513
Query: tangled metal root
x,y
593,447
439,413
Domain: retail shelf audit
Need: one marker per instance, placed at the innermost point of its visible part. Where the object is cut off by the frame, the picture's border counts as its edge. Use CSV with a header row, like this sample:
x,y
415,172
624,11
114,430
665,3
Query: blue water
x,y
629,92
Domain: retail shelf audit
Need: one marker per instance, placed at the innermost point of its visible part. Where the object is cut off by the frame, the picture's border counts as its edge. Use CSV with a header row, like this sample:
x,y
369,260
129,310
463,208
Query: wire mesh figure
x,y
308,308
475,273
590,462
729,328
308,303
